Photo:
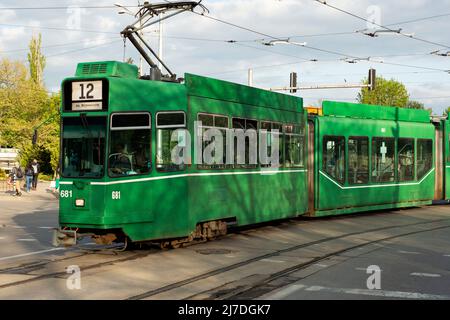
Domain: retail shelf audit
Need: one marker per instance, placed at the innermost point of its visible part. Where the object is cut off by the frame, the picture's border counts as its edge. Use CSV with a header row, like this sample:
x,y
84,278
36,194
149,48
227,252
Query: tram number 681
x,y
65,193
115,195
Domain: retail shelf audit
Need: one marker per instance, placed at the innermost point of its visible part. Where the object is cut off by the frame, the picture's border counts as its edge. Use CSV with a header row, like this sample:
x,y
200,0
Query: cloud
x,y
285,18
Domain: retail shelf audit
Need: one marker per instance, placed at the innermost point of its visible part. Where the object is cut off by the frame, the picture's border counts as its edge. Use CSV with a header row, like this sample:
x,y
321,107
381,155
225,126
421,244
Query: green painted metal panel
x,y
107,69
233,92
365,111
334,198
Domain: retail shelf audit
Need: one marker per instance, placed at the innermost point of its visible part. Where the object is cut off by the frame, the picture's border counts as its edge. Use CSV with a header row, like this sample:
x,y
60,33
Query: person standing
x,y
17,178
36,168
29,174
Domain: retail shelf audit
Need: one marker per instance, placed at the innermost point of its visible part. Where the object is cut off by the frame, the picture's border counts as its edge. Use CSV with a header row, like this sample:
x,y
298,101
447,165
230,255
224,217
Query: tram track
x,y
82,267
263,287
218,271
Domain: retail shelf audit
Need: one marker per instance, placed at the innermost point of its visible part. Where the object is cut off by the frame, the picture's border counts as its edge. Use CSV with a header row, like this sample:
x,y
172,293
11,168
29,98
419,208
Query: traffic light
x,y
372,77
293,82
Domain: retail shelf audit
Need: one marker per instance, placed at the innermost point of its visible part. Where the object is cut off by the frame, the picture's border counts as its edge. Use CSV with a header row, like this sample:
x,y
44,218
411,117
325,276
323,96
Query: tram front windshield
x,y
83,147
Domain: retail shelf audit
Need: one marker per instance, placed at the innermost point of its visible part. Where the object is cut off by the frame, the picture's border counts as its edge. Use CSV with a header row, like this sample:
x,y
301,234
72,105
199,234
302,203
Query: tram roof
x,y
234,92
366,111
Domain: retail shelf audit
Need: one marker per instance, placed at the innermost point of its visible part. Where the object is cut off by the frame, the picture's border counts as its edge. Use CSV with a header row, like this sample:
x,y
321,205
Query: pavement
x,y
42,192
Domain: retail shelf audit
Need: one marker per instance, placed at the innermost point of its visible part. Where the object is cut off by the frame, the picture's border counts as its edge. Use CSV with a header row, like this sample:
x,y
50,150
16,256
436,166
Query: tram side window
x,y
274,131
169,135
424,157
249,142
334,157
293,146
358,160
448,150
129,150
405,156
211,159
383,160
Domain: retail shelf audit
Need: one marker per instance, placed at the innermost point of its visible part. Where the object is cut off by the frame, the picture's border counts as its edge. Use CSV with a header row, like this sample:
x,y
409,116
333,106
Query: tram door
x,y
439,152
311,169
446,149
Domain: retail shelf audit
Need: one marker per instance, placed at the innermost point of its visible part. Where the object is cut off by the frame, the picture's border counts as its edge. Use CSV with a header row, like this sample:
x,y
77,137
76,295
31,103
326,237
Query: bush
x,y
2,174
45,177
41,154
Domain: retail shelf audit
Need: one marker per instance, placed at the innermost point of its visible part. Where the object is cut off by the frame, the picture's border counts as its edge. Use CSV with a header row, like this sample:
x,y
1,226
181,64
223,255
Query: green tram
x,y
369,157
119,183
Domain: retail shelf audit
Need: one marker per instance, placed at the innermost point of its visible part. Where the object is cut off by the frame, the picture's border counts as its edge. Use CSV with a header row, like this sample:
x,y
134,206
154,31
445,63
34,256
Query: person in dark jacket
x,y
36,169
29,174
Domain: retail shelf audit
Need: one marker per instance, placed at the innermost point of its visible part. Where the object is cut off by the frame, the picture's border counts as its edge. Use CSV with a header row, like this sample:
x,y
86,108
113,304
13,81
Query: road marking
x,y
284,293
2,238
47,227
446,255
18,227
26,239
419,274
408,252
321,265
272,260
30,254
380,293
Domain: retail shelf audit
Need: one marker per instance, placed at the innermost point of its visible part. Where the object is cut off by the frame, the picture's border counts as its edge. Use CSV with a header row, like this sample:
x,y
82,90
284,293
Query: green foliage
x,y
38,152
447,111
26,105
36,60
386,93
415,105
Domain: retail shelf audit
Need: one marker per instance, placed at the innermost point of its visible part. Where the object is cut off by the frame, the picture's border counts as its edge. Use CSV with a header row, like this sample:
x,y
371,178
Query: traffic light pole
x,y
330,86
292,88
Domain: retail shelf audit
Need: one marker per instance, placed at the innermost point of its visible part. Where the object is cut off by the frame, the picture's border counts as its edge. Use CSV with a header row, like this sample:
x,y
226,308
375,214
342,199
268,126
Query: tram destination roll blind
x,y
87,95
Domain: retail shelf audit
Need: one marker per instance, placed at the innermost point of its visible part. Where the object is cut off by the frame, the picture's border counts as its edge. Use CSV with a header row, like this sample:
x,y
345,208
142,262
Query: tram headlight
x,y
79,202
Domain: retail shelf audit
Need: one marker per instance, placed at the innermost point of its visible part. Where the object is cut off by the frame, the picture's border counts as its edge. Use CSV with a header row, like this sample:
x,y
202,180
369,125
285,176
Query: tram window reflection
x,y
383,159
130,145
405,158
334,157
358,160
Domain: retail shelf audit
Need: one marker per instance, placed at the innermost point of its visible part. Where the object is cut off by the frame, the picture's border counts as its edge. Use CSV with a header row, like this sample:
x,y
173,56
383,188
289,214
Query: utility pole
x,y
250,77
141,71
293,82
160,51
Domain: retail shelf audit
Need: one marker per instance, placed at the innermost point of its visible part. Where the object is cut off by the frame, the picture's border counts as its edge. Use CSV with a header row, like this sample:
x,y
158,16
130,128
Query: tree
x,y
415,105
36,60
447,111
24,105
387,93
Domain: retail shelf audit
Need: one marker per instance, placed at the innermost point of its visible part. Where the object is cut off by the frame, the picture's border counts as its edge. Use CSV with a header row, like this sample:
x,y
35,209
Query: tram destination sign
x,y
87,95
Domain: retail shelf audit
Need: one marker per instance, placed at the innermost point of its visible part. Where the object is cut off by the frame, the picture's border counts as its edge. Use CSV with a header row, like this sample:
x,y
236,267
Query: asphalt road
x,y
410,267
26,222
295,259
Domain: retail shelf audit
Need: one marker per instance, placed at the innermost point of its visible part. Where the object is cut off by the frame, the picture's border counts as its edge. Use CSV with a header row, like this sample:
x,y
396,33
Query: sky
x,y
195,44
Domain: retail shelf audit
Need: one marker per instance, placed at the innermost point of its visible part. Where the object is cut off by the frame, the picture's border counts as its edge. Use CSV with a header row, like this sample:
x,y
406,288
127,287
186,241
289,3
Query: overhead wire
x,y
323,2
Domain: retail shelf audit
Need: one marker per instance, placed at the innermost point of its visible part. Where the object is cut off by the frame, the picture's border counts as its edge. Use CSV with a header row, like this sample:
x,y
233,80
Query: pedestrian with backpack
x,y
29,176
17,178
